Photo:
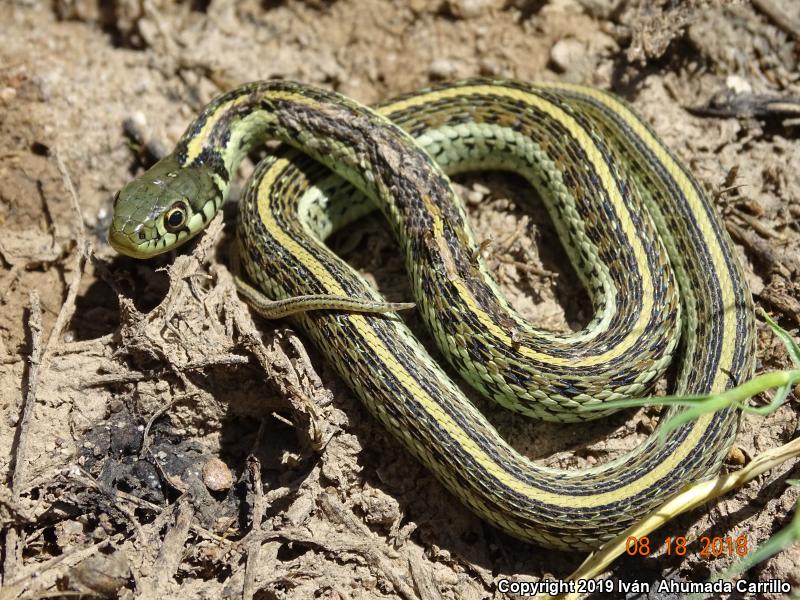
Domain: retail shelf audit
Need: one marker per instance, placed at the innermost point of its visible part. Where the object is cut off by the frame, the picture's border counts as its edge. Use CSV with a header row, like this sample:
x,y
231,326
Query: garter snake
x,y
640,232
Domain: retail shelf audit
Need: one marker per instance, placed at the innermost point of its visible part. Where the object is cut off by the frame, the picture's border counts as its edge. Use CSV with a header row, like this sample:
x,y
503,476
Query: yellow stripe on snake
x,y
645,240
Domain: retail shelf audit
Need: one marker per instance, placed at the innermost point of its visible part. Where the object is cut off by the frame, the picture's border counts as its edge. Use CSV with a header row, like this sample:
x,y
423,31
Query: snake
x,y
660,271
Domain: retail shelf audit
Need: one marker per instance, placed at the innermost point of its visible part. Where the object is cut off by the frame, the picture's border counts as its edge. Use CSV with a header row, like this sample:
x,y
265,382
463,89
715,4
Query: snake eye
x,y
175,218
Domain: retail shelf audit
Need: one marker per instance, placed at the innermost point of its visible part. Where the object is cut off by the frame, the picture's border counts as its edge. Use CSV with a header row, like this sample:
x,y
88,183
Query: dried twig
x,y
252,542
762,250
526,267
727,104
108,378
171,553
134,376
423,580
156,415
759,227
35,360
85,345
777,16
17,588
8,280
14,540
84,250
215,361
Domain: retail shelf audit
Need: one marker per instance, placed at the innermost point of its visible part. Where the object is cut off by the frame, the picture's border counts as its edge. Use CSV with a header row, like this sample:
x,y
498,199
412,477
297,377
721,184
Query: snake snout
x,y
127,237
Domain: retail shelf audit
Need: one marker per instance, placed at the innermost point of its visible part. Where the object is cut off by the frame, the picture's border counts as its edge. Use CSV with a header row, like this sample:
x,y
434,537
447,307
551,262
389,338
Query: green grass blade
x,y
777,400
791,346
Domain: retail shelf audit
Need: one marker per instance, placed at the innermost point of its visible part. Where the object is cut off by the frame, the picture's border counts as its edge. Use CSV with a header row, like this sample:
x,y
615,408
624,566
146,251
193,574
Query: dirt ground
x,y
147,421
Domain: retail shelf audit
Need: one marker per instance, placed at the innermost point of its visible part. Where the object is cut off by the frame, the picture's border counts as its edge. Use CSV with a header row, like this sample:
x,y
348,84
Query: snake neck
x,y
347,137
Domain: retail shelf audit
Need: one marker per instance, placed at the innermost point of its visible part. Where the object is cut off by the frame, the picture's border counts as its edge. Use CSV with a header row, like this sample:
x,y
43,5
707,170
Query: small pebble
x,y
474,197
135,127
566,54
7,94
469,9
737,456
157,149
105,574
442,68
489,67
738,84
216,475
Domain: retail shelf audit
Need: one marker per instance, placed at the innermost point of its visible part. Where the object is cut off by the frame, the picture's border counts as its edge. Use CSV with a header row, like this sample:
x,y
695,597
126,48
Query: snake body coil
x,y
641,234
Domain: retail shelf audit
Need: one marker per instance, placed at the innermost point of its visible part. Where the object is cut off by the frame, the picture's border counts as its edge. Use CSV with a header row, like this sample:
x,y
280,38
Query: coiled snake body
x,y
639,230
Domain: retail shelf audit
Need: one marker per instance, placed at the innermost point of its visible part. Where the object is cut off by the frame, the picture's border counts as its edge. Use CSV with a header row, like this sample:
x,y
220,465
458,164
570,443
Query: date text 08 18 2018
x,y
709,546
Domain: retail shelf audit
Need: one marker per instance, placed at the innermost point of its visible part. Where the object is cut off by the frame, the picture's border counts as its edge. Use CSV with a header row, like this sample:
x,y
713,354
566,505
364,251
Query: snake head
x,y
163,208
